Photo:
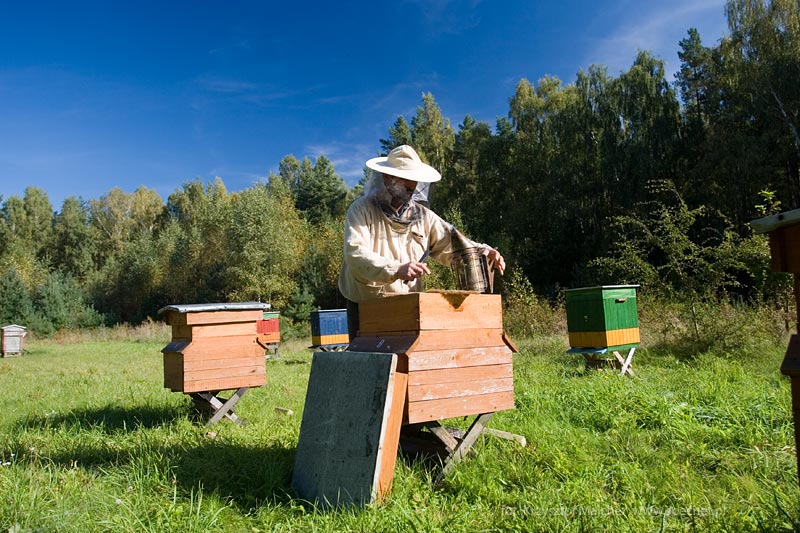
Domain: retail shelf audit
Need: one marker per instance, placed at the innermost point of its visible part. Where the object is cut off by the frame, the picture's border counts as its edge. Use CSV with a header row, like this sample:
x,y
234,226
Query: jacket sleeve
x,y
441,242
364,263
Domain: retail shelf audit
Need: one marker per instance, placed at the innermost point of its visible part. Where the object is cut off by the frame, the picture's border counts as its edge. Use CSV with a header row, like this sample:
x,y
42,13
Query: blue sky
x,y
96,95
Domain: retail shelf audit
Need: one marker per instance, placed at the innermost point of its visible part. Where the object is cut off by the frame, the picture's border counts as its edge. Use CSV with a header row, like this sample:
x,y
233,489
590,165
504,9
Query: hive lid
x,y
773,222
603,287
199,308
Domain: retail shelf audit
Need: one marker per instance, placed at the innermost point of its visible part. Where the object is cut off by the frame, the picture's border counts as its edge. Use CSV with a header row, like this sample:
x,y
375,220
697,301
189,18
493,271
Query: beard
x,y
389,196
398,193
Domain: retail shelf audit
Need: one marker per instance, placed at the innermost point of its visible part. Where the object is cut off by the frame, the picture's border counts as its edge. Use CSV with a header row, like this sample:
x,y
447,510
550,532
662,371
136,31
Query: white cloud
x,y
347,158
658,28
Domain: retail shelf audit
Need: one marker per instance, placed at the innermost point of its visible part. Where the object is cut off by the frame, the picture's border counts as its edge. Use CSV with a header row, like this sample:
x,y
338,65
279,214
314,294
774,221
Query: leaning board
x,y
350,429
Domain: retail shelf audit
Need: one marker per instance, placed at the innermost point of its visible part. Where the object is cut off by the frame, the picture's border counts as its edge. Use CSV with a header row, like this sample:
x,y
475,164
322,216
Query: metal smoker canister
x,y
469,265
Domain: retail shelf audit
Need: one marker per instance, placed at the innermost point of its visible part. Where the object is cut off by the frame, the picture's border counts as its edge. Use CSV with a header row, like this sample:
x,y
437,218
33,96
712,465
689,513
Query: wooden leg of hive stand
x,y
464,446
506,435
223,409
443,435
626,363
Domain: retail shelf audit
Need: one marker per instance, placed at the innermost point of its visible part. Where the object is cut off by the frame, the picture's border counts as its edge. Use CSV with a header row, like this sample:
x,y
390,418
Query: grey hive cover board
x,y
345,418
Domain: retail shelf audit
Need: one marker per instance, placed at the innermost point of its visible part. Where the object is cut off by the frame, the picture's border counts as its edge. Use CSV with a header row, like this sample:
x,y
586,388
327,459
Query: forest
x,y
632,178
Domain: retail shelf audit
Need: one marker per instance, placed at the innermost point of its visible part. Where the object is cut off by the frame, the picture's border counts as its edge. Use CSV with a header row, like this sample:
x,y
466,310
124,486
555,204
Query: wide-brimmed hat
x,y
404,162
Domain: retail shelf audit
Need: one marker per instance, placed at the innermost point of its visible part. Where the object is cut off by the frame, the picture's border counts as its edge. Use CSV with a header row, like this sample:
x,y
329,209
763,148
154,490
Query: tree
x,y
73,239
267,240
119,216
15,300
399,134
431,134
693,79
321,192
199,217
765,43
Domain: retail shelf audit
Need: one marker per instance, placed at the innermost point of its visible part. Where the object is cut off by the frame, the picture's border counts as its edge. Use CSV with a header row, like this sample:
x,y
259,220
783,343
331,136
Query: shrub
x,y
527,314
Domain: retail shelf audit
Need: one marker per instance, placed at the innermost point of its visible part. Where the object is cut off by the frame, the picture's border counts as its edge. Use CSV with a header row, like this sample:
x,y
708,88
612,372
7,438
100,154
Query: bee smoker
x,y
470,267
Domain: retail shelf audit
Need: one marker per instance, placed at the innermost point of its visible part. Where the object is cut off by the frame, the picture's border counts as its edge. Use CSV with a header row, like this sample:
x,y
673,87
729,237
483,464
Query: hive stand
x,y
784,244
603,320
214,348
457,359
594,358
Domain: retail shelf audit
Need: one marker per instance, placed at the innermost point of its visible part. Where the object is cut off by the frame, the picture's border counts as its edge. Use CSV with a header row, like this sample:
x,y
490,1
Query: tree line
x,y
608,179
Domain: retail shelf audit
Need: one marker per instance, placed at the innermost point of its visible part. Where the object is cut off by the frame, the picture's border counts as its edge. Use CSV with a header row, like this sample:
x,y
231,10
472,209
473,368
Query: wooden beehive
x,y
329,326
784,239
451,345
213,347
11,337
602,317
268,328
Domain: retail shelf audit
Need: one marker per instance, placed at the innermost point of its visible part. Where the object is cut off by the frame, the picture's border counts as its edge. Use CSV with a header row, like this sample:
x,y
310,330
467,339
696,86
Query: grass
x,y
90,441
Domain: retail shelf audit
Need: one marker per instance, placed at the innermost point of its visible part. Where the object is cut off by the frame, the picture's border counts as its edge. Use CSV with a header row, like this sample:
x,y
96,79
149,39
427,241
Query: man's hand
x,y
412,270
495,259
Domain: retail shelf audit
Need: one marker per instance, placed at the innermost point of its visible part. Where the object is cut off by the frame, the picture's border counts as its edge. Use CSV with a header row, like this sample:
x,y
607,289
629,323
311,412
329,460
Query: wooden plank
x,y
469,373
472,338
224,373
345,427
417,412
391,439
382,343
244,352
321,340
791,361
224,383
784,244
267,338
407,341
438,391
773,222
520,439
221,364
474,431
174,318
173,372
214,347
597,339
458,358
476,311
430,311
390,314
213,330
226,408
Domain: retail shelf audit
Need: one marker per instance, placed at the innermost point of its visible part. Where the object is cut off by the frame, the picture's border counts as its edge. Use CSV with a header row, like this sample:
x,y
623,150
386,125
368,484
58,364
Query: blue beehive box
x,y
329,326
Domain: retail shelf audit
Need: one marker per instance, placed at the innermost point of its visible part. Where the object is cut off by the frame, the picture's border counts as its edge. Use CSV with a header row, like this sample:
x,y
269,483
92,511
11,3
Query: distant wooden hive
x,y
11,339
268,328
603,317
329,326
452,346
213,347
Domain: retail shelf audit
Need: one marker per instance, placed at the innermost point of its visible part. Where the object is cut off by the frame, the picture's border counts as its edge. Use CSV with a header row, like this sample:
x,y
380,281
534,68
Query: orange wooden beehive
x,y
213,347
452,346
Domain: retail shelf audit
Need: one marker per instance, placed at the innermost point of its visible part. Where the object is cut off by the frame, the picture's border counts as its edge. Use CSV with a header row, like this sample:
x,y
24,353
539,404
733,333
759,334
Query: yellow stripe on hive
x,y
600,339
320,340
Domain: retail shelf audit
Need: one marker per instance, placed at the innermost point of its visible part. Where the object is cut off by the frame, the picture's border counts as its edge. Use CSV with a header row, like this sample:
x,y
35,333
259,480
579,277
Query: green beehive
x,y
603,317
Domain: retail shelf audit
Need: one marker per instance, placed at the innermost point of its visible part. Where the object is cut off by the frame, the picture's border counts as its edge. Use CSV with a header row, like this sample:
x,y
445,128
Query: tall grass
x,y
696,441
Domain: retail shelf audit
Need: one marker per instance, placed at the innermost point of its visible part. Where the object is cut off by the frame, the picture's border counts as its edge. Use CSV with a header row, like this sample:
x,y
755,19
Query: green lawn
x,y
90,441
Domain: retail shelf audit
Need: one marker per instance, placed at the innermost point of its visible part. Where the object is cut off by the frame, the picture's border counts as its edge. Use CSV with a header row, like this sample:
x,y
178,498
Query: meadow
x,y
696,441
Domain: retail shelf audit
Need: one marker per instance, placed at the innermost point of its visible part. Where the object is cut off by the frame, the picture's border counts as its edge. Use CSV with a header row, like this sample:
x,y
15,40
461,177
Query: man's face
x,y
401,189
